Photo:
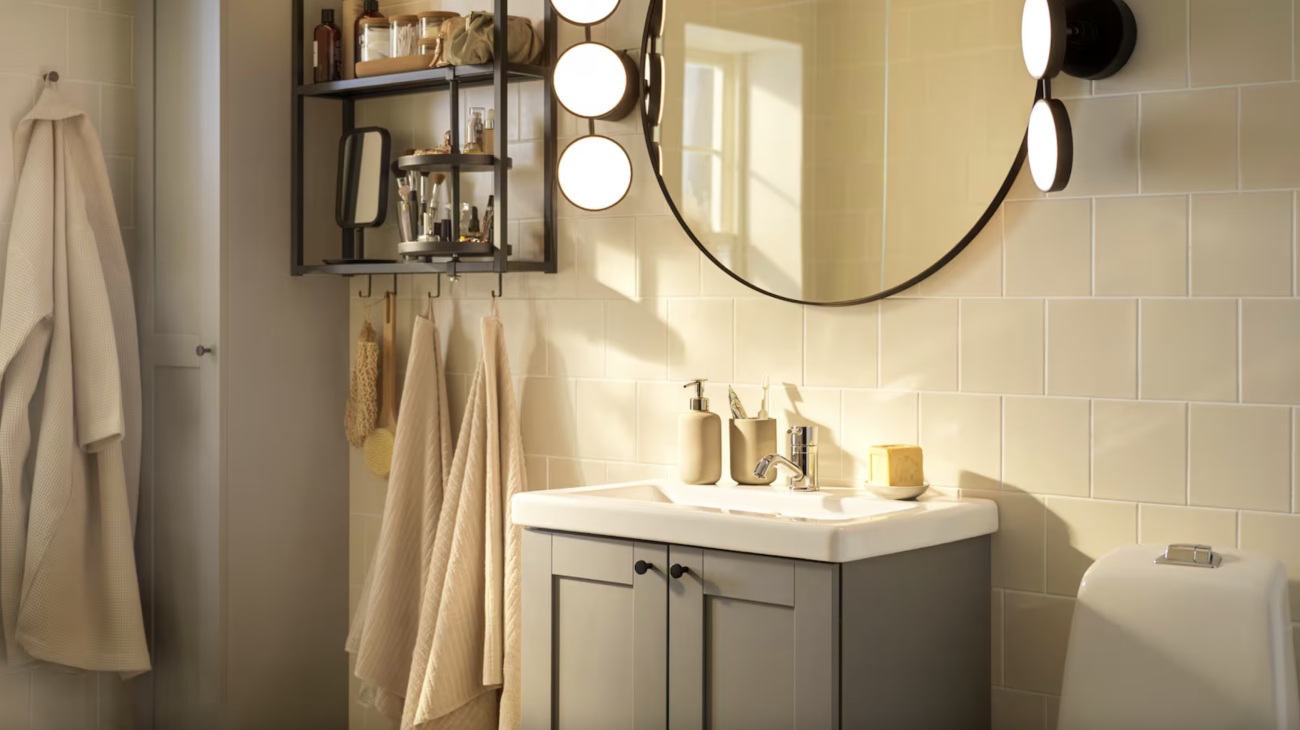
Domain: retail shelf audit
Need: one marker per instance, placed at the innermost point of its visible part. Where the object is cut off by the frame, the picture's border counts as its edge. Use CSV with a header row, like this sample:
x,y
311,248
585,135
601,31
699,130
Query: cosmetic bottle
x,y
327,49
699,440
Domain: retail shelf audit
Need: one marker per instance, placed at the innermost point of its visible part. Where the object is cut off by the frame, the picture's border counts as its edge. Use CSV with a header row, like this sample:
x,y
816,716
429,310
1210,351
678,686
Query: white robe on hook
x,y
68,352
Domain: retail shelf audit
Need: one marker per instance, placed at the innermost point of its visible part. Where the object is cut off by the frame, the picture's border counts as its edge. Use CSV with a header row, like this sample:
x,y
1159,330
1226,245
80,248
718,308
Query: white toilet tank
x,y
1178,646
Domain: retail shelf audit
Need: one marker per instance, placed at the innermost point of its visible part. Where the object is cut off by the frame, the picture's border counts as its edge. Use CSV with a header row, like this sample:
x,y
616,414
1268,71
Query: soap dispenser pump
x,y
699,440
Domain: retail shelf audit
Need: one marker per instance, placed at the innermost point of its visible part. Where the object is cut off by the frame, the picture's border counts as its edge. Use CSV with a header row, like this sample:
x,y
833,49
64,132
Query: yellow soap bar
x,y
897,465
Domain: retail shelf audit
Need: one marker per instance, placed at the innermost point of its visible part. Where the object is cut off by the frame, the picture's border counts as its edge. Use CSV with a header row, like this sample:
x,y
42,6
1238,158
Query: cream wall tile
x,y
841,346
699,339
1142,246
1162,524
1047,445
1037,632
548,424
1108,129
1241,457
1270,351
765,331
577,339
606,251
995,636
977,270
1189,141
714,282
606,418
16,96
618,473
874,418
41,46
535,468
657,408
1139,451
1241,244
118,125
1239,43
918,343
1078,532
962,439
1092,348
99,47
1014,710
1159,61
1018,550
1295,460
1002,346
1278,536
668,263
806,407
636,339
567,473
1270,148
1049,248
1189,349
525,329
561,285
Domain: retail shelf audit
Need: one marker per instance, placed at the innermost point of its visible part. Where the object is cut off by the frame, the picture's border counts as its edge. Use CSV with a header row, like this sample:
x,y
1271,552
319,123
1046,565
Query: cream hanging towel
x,y
465,670
68,588
387,619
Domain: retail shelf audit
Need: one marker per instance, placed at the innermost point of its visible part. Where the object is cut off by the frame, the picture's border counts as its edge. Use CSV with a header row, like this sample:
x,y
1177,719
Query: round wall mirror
x,y
834,151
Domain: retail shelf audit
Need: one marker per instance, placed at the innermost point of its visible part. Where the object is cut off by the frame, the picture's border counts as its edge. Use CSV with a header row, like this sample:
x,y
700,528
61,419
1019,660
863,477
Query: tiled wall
x,y
1112,364
89,42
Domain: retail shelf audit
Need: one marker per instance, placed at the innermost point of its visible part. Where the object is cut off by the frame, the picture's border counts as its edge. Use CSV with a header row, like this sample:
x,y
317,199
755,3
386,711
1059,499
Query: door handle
x,y
642,566
677,570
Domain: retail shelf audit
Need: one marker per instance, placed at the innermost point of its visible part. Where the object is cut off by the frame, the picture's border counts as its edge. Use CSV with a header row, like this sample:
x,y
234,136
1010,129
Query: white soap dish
x,y
887,492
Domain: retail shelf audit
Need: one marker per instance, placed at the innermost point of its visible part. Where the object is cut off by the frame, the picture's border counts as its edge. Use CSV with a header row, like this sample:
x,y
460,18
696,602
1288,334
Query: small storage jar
x,y
431,38
405,35
376,40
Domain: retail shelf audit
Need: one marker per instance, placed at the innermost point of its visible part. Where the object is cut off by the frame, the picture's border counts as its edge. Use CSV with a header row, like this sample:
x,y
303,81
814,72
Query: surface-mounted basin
x,y
832,525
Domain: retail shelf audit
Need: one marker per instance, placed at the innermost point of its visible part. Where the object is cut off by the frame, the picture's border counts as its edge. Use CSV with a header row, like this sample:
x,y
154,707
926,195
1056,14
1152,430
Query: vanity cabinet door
x,y
753,642
595,633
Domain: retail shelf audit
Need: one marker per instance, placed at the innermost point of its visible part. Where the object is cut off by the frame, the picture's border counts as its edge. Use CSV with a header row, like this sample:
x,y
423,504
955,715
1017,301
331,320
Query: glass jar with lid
x,y
431,33
376,40
405,35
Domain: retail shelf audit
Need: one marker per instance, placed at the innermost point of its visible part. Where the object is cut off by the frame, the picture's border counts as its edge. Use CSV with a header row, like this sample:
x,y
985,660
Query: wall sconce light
x,y
595,172
585,12
1088,39
594,81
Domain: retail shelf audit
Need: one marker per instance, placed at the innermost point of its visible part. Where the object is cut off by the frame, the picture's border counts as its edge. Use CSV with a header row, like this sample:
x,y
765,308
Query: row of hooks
x,y
370,287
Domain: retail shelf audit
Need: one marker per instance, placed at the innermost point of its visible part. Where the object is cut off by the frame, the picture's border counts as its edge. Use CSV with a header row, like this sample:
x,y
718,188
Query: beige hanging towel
x,y
386,623
465,671
68,588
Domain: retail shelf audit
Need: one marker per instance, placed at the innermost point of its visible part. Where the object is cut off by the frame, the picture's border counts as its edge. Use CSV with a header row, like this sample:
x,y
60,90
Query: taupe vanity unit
x,y
827,610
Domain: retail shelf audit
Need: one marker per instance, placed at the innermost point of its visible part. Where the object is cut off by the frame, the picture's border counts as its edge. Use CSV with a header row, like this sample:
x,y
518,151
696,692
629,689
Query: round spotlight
x,y
1051,145
595,173
1091,39
585,12
1042,37
594,81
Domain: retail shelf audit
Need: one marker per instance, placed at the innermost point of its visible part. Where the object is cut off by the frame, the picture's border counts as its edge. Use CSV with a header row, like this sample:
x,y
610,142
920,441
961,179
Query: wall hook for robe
x,y
370,286
51,78
501,288
439,294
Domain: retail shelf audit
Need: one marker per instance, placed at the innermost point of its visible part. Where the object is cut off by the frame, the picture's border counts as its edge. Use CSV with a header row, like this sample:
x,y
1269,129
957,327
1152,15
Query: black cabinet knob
x,y
677,570
642,566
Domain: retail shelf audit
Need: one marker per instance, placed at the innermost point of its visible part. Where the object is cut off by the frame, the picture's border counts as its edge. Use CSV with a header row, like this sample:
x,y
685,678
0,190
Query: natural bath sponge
x,y
363,391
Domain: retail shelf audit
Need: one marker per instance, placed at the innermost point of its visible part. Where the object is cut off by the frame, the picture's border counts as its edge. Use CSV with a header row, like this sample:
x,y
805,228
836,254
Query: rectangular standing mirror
x,y
362,199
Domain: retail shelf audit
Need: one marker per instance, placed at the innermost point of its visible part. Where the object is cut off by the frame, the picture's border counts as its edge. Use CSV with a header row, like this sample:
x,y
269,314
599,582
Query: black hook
x,y
439,294
500,288
370,286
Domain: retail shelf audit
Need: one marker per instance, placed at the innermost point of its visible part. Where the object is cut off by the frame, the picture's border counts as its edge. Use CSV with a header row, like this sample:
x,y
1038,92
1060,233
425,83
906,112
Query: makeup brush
x,y
403,192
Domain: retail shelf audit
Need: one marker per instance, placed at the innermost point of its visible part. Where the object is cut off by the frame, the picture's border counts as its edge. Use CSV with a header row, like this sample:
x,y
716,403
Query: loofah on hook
x,y
362,410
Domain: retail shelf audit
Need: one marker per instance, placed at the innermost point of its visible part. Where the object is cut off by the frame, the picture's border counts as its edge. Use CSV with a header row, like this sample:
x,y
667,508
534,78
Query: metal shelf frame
x,y
499,74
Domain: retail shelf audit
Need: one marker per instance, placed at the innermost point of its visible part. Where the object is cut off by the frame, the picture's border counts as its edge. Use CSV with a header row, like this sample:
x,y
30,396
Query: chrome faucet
x,y
802,462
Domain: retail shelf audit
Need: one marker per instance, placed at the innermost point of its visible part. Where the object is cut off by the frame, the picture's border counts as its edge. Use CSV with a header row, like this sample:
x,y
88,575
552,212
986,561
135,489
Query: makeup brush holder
x,y
751,440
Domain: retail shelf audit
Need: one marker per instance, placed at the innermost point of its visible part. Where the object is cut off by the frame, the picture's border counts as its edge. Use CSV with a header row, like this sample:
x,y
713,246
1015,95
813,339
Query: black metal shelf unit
x,y
498,74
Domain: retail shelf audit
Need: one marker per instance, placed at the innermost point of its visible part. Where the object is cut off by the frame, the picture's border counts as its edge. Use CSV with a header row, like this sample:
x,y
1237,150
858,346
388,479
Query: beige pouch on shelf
x,y
468,41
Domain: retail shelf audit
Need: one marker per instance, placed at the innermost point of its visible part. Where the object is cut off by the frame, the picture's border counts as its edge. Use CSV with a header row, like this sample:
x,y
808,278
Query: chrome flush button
x,y
1191,555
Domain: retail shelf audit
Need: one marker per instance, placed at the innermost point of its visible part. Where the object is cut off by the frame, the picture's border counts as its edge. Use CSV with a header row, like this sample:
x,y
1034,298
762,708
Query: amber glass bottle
x,y
327,49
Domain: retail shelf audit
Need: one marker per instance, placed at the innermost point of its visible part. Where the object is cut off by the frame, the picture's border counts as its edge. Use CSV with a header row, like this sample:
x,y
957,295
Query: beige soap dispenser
x,y
699,440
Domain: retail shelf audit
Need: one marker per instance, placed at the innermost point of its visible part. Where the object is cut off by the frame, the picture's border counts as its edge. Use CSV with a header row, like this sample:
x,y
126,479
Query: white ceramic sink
x,y
833,525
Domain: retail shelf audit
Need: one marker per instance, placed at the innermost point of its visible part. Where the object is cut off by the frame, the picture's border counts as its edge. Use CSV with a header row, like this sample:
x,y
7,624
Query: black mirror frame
x,y
385,151
655,16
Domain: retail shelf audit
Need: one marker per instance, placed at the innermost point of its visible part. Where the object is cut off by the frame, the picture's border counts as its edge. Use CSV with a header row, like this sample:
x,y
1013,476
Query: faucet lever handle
x,y
801,437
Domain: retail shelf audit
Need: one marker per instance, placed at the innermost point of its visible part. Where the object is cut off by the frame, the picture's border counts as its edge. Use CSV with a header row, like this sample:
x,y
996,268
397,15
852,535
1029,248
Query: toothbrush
x,y
762,408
